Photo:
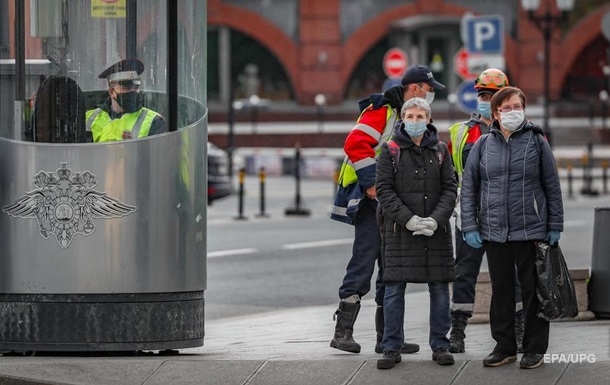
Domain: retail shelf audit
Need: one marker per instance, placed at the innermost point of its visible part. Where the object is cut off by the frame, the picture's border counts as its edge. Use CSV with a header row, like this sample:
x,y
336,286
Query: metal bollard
x,y
261,177
599,285
240,197
570,181
297,209
587,163
335,181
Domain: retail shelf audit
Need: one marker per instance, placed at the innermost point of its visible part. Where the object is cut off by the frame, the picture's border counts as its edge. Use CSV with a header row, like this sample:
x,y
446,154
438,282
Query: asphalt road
x,y
267,263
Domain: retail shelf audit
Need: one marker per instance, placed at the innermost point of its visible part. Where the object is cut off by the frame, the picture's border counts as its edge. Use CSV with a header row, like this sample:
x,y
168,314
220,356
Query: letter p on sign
x,y
485,34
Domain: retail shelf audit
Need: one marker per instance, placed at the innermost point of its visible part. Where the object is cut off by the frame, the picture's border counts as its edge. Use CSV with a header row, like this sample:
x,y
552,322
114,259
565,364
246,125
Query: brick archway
x,y
263,31
577,39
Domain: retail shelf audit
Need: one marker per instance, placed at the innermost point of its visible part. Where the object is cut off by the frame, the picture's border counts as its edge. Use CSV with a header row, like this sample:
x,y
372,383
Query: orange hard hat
x,y
492,79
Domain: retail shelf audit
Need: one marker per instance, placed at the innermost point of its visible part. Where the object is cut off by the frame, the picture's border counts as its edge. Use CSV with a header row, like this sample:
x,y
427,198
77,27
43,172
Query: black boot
x,y
346,317
457,335
519,324
407,348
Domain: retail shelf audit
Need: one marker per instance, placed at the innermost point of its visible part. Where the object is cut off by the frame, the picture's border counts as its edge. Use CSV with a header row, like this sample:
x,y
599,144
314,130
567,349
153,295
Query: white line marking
x,y
307,245
224,253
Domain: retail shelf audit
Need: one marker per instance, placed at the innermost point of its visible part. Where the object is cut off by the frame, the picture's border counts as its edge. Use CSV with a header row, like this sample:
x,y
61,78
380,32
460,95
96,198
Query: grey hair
x,y
416,103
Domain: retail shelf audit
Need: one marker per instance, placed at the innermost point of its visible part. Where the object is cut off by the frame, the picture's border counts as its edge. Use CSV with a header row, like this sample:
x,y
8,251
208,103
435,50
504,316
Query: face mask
x,y
512,120
429,97
484,108
415,129
129,101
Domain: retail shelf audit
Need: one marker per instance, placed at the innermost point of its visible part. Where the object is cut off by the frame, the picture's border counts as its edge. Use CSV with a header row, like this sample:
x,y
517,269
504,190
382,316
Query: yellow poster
x,y
108,8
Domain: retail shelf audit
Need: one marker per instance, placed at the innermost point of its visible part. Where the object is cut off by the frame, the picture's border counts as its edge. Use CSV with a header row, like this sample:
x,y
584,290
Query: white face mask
x,y
512,120
429,97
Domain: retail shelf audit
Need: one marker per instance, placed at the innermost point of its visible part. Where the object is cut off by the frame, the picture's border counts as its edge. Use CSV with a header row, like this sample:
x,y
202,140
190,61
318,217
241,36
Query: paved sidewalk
x,y
291,347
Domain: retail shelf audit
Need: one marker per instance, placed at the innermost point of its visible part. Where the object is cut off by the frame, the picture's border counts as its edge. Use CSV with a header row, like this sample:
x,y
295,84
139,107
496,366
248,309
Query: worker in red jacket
x,y
356,200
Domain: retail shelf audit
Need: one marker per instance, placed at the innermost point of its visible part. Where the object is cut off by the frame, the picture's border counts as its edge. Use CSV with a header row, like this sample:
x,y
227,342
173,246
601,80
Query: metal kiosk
x,y
103,245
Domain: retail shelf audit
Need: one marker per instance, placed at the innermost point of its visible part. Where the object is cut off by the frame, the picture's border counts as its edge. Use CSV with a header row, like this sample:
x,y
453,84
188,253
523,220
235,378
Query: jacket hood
x,y
393,97
403,139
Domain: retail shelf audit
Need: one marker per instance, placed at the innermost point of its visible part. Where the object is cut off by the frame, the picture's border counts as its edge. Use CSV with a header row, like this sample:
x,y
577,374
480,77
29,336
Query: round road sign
x,y
395,63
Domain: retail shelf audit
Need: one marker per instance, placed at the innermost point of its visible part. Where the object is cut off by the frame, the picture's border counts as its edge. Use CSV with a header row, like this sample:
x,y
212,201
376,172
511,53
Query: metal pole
x,y
172,65
231,136
240,202
547,27
131,29
19,41
262,176
297,209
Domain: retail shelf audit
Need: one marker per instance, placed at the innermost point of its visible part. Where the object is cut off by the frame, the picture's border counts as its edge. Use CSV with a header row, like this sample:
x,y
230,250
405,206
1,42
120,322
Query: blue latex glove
x,y
552,237
473,238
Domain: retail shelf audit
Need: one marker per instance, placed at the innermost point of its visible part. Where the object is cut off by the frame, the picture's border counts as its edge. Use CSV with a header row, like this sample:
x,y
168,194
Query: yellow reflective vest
x,y
105,129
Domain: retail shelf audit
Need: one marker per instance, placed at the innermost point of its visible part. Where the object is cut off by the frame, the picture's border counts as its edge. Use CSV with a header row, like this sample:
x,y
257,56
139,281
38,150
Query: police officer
x,y
123,116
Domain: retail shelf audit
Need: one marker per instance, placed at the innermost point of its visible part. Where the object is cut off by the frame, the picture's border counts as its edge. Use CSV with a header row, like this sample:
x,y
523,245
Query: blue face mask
x,y
484,108
415,129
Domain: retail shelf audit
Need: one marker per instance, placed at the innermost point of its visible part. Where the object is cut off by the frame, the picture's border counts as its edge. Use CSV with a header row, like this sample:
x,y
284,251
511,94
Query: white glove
x,y
413,222
424,231
426,223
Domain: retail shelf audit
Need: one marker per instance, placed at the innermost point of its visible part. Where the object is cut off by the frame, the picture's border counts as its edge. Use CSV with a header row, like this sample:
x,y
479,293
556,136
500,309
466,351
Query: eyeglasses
x,y
514,107
492,78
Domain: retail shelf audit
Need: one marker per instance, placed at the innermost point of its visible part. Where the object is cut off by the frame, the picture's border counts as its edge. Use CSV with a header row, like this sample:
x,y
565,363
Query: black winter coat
x,y
424,184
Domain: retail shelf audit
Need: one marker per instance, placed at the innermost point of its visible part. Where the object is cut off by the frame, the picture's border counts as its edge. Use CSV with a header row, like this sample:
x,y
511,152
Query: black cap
x,y
124,71
420,74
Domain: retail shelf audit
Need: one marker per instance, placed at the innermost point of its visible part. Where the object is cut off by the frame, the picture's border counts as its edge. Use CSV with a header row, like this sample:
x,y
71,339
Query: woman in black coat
x,y
417,190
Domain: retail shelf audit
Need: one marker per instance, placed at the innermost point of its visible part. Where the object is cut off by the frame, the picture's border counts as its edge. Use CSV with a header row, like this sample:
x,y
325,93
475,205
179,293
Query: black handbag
x,y
555,289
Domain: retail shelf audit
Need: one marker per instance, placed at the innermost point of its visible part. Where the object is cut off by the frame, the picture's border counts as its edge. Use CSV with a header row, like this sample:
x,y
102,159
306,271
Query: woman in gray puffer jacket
x,y
417,190
511,199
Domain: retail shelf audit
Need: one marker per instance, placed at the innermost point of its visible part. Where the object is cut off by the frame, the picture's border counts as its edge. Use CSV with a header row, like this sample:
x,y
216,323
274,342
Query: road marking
x,y
307,245
224,253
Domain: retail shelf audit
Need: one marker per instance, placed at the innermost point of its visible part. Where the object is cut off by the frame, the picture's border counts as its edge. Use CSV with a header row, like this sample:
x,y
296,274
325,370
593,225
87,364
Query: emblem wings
x,y
32,205
100,205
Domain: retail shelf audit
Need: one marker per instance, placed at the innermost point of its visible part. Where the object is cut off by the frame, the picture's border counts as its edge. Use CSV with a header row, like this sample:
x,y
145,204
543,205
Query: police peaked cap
x,y
123,71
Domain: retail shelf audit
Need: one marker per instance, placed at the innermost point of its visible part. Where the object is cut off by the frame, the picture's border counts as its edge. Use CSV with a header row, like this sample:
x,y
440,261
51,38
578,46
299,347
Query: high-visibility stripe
x,y
370,131
363,163
91,119
458,136
138,125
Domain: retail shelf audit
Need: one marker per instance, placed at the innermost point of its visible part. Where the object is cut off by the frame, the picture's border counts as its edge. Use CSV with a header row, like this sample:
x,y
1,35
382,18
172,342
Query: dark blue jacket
x,y
510,189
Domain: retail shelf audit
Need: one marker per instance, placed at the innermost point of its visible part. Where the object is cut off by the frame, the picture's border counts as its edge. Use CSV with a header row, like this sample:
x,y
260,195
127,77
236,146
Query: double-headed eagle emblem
x,y
64,204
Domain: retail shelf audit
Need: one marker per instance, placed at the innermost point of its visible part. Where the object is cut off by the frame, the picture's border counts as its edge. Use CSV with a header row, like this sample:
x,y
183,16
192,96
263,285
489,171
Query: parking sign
x,y
485,34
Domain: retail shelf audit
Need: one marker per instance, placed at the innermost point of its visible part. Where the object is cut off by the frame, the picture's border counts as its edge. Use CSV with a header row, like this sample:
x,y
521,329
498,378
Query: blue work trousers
x,y
366,251
394,314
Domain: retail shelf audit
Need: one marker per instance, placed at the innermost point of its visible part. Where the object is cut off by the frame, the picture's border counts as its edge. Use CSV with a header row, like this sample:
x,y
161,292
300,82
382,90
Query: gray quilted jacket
x,y
510,190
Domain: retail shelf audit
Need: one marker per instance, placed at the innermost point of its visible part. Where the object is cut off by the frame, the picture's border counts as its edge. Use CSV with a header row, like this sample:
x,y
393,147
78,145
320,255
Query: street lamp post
x,y
546,23
320,101
254,101
603,94
603,98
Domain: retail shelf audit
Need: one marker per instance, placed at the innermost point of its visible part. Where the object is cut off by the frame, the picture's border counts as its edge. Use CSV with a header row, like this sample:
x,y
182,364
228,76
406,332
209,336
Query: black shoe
x,y
459,321
407,348
457,345
442,357
531,361
499,359
390,358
